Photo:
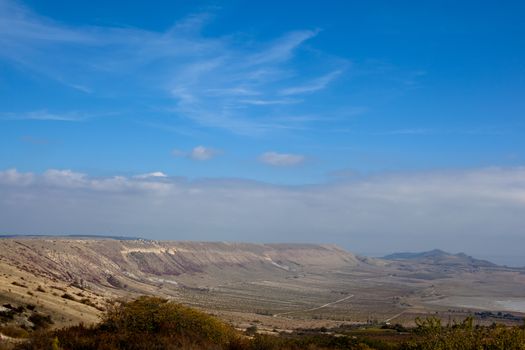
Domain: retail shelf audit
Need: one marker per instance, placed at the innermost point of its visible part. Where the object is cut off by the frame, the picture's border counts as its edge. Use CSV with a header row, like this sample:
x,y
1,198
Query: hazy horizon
x,y
504,260
376,126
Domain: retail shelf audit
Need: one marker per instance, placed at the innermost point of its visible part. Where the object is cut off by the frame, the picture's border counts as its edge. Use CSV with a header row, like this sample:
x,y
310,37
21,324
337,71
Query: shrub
x,y
252,330
18,284
145,323
158,316
68,297
156,323
40,321
14,332
466,336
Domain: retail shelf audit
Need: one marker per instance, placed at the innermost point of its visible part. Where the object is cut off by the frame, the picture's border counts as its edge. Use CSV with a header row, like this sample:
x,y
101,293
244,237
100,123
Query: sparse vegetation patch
x,y
156,323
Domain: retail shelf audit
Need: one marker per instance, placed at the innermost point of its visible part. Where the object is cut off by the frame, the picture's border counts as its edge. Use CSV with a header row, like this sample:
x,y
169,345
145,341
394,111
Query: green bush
x,y
154,315
40,321
68,297
466,336
145,323
14,331
156,323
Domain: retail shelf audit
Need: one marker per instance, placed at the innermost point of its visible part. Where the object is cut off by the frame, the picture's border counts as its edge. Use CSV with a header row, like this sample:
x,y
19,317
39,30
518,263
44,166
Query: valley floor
x,y
273,287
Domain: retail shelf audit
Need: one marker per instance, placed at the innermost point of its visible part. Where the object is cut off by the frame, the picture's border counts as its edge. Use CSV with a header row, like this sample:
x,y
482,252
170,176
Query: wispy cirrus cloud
x,y
200,153
212,81
203,153
281,49
281,159
313,85
44,115
271,102
409,131
477,130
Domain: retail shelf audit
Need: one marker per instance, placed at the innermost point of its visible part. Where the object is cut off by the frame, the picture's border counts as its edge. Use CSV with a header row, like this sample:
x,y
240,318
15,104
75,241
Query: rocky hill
x,y
113,263
70,279
441,258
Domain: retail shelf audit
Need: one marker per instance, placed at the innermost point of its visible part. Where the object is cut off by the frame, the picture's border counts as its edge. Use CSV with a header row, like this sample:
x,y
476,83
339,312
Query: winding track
x,y
395,316
314,308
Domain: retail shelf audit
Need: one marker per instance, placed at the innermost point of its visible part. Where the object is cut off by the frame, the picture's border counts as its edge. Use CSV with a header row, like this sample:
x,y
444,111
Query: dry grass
x,y
255,290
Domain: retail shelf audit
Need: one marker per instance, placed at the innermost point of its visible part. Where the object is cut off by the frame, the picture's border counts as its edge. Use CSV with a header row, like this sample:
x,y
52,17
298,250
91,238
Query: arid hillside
x,y
114,263
276,286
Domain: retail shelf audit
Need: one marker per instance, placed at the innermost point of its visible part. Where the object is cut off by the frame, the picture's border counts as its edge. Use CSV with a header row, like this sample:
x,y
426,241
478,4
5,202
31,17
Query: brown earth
x,y
273,286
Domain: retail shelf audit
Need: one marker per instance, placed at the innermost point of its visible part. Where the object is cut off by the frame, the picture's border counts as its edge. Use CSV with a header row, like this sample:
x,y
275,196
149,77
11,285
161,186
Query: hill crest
x,y
439,257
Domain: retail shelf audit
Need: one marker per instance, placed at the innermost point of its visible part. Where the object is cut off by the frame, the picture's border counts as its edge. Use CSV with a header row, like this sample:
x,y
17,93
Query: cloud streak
x,y
203,153
152,175
199,153
312,86
214,82
281,159
45,115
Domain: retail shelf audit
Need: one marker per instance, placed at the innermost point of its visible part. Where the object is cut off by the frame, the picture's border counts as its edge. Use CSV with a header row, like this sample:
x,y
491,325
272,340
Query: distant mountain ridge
x,y
73,277
114,262
118,238
416,255
440,257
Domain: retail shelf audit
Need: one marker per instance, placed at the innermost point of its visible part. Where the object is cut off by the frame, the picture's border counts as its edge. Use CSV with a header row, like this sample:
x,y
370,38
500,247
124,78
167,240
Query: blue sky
x,y
287,95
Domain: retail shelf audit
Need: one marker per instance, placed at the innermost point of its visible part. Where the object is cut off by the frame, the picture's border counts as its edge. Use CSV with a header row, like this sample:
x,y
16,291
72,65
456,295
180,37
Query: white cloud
x,y
200,77
233,91
15,178
65,178
153,175
281,159
44,115
480,210
270,102
412,131
200,153
203,153
71,180
312,86
282,49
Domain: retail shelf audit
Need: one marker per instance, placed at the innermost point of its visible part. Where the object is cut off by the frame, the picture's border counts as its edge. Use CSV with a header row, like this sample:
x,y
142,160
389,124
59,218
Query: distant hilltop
x,y
118,238
73,277
434,257
440,257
